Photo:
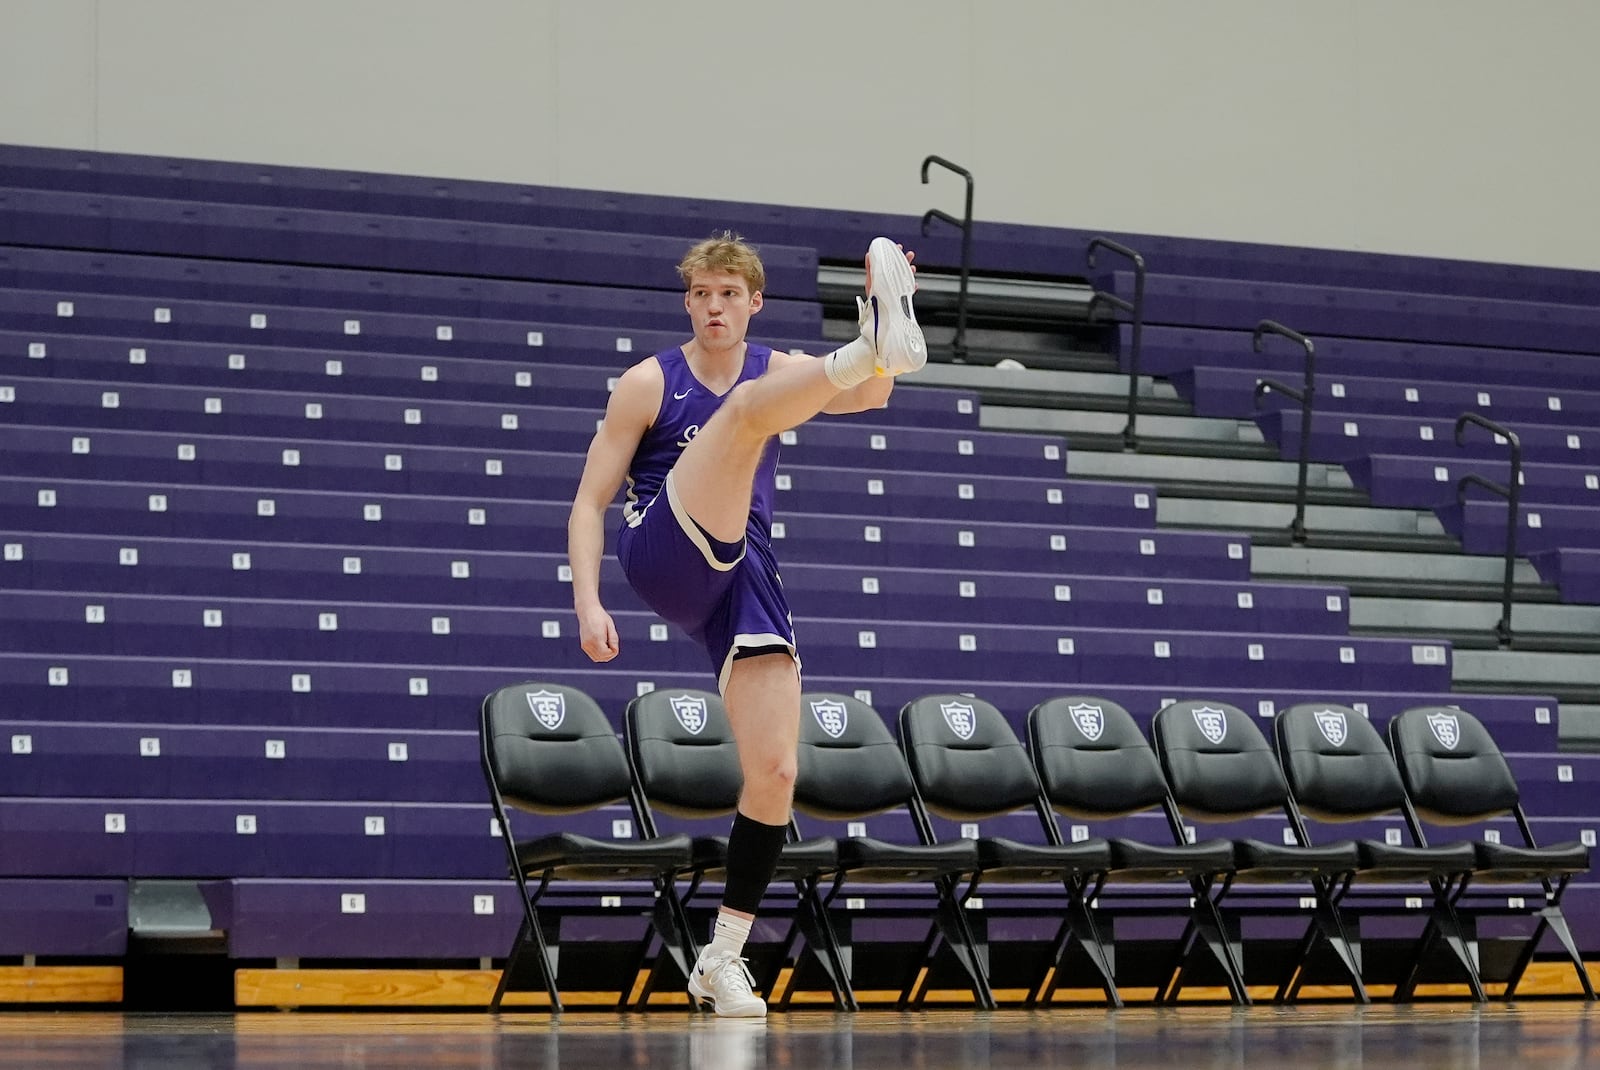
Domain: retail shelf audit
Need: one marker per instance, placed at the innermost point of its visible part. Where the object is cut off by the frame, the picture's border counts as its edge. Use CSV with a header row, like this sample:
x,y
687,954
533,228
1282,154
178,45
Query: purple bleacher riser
x,y
381,291
282,919
645,321
838,234
907,594
1363,313
1424,481
1230,392
1481,527
1332,441
1169,350
1575,571
192,568
132,690
71,450
488,524
201,839
115,223
178,761
68,918
377,634
581,380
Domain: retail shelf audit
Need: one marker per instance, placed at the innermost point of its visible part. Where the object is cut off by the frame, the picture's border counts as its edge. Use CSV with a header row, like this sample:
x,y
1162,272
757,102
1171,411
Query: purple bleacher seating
x,y
585,382
1170,350
1575,571
47,560
365,919
1392,479
836,234
1480,524
63,918
1344,312
211,838
160,761
640,326
1230,391
312,464
1342,437
119,223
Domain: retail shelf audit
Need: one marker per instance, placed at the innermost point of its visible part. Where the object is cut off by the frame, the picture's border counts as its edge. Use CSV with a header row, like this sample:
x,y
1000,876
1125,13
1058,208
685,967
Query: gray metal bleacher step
x,y
1045,383
1579,726
1186,476
1398,573
1273,516
1109,425
1571,677
1472,623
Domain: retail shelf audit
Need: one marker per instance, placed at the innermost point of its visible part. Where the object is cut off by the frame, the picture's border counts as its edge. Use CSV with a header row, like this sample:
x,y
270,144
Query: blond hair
x,y
725,252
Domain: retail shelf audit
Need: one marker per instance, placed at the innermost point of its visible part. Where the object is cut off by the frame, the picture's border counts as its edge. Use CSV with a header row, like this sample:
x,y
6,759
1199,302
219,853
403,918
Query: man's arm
x,y
632,408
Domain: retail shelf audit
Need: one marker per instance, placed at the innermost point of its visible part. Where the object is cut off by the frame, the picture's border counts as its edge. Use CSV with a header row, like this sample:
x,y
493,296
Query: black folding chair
x,y
1221,769
851,768
1340,770
1455,774
968,765
686,765
1095,765
548,750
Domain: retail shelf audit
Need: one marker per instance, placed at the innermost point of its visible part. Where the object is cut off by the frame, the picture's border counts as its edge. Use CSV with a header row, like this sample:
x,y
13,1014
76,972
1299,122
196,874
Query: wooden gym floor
x,y
1546,1034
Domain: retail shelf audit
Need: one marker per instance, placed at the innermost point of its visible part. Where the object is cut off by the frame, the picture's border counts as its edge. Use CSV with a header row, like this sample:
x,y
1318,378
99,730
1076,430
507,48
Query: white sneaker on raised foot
x,y
724,981
887,320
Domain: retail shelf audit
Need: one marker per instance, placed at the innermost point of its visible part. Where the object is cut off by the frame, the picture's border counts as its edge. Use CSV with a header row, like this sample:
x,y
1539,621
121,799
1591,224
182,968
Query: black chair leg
x,y
1081,926
812,918
531,959
1552,919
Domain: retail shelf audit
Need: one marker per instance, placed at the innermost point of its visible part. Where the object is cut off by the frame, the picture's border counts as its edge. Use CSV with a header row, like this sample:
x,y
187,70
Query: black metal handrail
x,y
1135,309
1306,396
1511,492
964,224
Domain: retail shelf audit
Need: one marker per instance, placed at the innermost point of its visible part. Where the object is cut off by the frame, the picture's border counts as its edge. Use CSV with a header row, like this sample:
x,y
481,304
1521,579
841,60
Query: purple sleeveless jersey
x,y
725,596
686,406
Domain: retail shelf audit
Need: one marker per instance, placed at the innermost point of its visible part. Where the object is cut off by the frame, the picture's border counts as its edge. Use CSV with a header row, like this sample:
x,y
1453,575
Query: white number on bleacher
x,y
47,499
536,338
1247,600
150,747
418,685
36,350
966,589
236,362
1066,647
94,614
276,749
462,570
300,682
968,643
80,445
352,903
58,676
116,824
182,678
372,826
352,326
163,315
258,322
313,410
441,625
110,399
13,551
136,356
158,503
1163,649
399,752
444,333
21,744
483,904
1052,496
493,466
244,824
966,538
372,513
211,618
352,566
327,622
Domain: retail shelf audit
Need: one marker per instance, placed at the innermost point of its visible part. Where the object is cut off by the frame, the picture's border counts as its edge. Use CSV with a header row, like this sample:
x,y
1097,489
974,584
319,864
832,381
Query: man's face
x,y
720,305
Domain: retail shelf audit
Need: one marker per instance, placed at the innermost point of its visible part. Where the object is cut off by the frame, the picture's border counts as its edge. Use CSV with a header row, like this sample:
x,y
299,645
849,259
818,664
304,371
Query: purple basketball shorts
x,y
727,596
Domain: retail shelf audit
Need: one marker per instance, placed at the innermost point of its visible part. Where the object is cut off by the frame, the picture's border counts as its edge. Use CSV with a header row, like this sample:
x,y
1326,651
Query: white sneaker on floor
x,y
887,320
724,981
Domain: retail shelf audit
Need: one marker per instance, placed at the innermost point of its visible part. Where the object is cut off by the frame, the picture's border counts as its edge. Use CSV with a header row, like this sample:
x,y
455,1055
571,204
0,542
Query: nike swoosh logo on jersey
x,y
686,393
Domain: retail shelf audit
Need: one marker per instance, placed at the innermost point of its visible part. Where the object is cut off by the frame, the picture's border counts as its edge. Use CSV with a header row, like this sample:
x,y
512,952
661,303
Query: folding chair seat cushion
x,y
1133,861
1397,863
1258,860
1506,863
583,858
1002,859
874,861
